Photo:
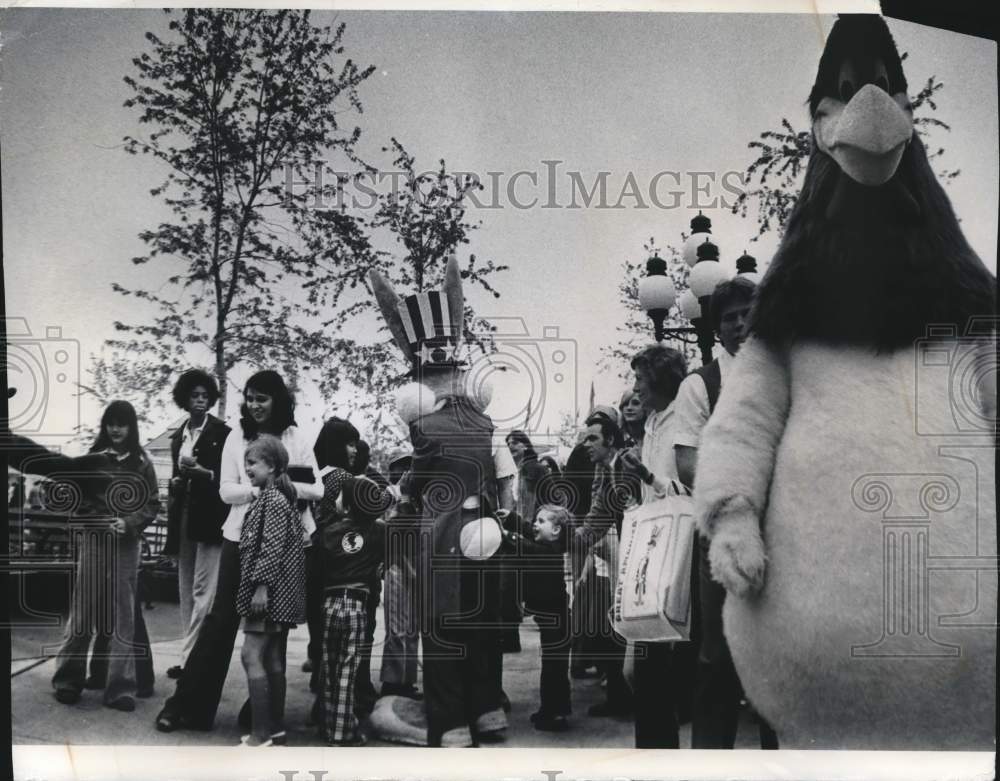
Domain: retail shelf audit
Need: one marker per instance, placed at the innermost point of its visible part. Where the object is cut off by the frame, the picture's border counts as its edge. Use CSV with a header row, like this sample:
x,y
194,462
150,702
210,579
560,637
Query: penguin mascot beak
x,y
866,136
860,109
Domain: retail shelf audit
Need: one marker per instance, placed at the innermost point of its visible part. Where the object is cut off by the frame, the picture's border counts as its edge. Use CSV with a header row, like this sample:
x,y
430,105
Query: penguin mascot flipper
x,y
846,477
453,480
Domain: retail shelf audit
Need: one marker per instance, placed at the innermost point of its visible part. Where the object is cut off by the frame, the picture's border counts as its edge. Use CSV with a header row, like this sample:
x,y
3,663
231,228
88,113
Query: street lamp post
x,y
706,273
657,294
746,267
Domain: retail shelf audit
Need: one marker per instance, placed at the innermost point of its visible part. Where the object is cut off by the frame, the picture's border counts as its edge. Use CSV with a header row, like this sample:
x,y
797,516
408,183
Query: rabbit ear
x,y
453,292
388,302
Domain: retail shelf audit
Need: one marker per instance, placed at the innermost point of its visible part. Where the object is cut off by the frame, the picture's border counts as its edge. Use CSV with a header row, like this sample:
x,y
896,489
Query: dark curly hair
x,y
190,380
270,384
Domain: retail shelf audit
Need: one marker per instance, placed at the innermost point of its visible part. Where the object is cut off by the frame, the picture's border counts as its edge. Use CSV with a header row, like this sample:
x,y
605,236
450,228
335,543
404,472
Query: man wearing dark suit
x,y
614,490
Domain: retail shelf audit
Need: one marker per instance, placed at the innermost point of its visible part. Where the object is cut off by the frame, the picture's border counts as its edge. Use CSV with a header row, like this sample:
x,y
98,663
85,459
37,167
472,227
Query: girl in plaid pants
x,y
353,551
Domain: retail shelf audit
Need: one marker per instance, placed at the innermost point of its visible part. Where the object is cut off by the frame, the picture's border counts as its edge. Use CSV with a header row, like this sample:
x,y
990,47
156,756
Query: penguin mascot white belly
x,y
846,477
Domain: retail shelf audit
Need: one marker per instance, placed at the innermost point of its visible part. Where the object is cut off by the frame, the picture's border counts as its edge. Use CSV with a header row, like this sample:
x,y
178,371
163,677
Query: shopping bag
x,y
653,593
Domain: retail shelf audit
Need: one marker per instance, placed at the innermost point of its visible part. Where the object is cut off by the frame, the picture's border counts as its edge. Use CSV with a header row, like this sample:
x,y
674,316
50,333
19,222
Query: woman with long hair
x,y
268,408
633,417
551,466
114,496
553,487
196,512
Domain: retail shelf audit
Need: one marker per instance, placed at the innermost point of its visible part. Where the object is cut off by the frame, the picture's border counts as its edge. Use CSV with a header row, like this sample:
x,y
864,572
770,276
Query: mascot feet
x,y
491,726
400,720
460,737
737,553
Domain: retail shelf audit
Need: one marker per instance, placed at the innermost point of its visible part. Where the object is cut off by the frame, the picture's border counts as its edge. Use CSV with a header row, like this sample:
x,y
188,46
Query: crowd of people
x,y
271,531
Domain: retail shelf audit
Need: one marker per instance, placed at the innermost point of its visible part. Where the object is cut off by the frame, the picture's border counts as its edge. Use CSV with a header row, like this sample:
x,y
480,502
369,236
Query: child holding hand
x,y
541,563
271,596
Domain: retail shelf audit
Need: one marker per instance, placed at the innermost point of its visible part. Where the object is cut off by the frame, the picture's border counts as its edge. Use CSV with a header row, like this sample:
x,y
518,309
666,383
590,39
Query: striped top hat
x,y
431,329
427,326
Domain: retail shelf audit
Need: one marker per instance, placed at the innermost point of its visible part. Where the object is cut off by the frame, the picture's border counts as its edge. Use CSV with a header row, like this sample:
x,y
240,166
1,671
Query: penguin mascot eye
x,y
847,81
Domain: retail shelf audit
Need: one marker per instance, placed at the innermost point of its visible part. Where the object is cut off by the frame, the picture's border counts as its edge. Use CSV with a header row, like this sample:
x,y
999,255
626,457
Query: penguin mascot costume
x,y
846,478
453,480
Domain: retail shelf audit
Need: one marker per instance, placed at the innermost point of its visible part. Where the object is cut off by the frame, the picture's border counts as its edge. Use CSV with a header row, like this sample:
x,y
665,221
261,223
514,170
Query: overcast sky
x,y
629,94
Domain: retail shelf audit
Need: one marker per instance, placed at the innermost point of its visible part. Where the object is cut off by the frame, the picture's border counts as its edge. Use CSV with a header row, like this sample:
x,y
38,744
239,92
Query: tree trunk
x,y
220,374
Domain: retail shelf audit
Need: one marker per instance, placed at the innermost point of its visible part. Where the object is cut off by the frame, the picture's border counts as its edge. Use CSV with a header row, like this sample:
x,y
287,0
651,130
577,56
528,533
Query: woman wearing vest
x,y
195,512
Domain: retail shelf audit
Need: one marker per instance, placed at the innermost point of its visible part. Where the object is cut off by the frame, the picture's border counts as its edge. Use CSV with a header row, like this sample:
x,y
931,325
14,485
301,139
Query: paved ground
x,y
38,719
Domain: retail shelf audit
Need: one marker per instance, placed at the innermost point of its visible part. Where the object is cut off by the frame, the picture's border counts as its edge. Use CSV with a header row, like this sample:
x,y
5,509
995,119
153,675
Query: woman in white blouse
x,y
268,408
267,413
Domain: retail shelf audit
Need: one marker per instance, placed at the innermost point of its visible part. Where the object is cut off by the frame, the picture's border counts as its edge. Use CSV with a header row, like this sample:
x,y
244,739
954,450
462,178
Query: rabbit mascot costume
x,y
846,478
453,481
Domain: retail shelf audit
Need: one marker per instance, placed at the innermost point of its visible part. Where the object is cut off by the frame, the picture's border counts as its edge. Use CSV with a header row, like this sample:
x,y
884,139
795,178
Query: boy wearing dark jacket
x,y
542,566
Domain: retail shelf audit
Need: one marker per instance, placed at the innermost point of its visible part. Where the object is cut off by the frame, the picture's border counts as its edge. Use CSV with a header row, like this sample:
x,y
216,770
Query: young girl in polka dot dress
x,y
272,591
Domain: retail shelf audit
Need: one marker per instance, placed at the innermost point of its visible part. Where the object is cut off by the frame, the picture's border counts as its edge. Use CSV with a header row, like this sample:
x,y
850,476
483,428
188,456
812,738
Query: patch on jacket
x,y
352,542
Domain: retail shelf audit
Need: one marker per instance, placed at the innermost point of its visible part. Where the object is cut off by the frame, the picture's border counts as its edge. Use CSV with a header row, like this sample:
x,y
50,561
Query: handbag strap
x,y
677,488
